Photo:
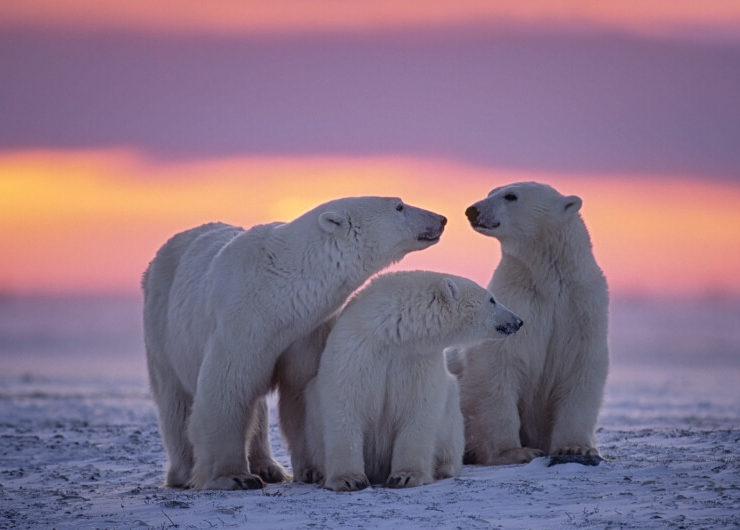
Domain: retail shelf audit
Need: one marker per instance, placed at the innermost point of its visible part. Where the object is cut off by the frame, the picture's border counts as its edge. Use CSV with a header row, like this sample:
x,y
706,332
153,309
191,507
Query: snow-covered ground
x,y
84,452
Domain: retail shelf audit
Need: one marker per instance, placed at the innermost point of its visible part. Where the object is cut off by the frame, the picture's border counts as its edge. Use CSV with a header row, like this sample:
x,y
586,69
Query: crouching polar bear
x,y
221,304
383,408
540,391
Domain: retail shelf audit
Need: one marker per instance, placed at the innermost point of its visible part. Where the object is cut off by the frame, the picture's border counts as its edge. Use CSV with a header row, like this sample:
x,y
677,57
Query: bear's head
x,y
476,314
522,211
381,230
426,308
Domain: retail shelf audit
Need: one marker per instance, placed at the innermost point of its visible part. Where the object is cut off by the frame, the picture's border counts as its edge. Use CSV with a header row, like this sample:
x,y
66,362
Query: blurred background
x,y
123,123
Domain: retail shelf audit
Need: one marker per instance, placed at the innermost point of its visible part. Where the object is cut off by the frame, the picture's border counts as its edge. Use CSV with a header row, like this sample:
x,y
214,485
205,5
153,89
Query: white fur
x,y
383,407
222,304
295,368
539,392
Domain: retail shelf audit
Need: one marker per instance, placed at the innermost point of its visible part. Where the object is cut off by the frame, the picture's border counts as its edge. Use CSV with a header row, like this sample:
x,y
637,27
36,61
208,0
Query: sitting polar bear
x,y
222,303
539,392
383,407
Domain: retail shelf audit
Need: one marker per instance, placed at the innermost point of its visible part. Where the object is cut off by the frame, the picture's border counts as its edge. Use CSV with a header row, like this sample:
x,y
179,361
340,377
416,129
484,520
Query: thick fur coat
x,y
383,408
540,391
221,304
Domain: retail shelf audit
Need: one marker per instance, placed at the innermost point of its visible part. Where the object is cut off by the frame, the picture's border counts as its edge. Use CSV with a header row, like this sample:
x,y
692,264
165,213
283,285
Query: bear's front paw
x,y
310,475
233,482
270,472
576,450
445,471
518,455
407,479
347,482
576,454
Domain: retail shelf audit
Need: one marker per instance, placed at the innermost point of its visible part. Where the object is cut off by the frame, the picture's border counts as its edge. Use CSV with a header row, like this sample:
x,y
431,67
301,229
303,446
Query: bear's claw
x,y
348,482
517,455
588,456
271,473
248,482
310,476
406,479
583,459
229,482
576,450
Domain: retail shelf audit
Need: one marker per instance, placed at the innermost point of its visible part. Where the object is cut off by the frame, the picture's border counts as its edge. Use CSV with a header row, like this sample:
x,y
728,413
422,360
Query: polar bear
x,y
540,391
222,303
383,408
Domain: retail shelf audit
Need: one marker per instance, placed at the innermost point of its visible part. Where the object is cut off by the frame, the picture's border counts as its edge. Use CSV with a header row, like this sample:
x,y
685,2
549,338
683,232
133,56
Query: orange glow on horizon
x,y
91,221
296,15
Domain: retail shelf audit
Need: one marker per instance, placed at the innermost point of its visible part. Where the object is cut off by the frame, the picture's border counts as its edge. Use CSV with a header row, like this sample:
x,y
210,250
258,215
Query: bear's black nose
x,y
472,214
443,221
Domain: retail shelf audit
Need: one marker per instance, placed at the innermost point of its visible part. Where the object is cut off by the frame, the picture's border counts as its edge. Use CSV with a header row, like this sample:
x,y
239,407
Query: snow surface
x,y
79,446
82,454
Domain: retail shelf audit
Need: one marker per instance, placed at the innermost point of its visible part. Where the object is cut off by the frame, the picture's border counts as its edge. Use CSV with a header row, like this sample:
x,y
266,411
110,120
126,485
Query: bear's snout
x,y
510,327
472,214
434,231
480,221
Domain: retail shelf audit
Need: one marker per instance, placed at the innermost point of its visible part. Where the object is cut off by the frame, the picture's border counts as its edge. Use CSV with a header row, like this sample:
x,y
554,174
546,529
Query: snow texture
x,y
76,454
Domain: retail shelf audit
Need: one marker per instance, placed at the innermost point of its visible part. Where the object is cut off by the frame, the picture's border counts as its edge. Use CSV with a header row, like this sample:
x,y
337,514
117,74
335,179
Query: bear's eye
x,y
399,207
492,300
510,197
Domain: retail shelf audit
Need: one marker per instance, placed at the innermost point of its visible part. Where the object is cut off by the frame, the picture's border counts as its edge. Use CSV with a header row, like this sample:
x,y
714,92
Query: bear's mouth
x,y
430,236
507,329
480,226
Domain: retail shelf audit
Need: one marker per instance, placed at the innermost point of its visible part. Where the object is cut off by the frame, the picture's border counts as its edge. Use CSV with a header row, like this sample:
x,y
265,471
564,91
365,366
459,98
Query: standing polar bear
x,y
220,306
383,407
540,391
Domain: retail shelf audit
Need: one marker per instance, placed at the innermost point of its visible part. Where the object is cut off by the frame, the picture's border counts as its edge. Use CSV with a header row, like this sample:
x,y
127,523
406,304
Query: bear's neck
x,y
558,254
318,272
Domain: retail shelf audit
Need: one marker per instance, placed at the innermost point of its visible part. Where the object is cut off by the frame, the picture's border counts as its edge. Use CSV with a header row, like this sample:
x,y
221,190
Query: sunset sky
x,y
123,124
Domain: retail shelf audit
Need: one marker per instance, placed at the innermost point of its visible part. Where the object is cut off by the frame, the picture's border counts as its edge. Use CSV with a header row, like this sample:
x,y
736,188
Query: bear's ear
x,y
571,205
330,222
449,289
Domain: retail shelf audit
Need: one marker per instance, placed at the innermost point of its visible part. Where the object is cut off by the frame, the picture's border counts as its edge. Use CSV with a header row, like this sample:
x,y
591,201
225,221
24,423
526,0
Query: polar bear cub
x,y
383,408
539,392
220,306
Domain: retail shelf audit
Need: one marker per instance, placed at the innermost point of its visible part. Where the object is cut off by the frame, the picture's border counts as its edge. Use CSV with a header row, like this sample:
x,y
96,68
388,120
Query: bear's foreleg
x,y
343,439
223,411
576,411
412,462
343,457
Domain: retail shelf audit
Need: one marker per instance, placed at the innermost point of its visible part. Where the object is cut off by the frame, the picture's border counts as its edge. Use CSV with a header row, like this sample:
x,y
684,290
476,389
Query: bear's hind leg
x,y
491,389
174,405
450,437
261,461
